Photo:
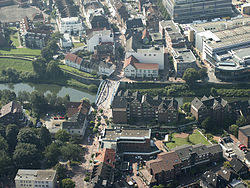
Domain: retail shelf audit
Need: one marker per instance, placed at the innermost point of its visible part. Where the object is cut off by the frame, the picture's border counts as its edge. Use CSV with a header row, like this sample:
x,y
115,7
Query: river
x,y
75,94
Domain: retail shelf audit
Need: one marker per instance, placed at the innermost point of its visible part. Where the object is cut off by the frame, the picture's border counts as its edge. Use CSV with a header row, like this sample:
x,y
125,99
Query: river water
x,y
75,94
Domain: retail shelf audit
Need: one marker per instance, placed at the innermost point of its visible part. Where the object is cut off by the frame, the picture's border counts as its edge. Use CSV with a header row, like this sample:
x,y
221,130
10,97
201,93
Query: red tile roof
x,y
146,66
106,156
75,107
73,58
135,63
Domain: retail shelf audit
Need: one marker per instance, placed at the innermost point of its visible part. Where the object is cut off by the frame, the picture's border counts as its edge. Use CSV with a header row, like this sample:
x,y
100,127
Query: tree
x,y
202,73
11,136
68,183
187,106
208,124
39,66
45,137
47,53
60,171
213,91
53,70
62,135
190,76
26,155
234,129
5,162
72,152
226,164
27,135
39,103
3,144
52,153
241,121
75,139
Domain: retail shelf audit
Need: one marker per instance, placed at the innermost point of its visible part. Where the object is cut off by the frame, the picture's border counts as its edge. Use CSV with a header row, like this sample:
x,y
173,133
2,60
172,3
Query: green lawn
x,y
78,44
21,51
18,64
14,39
195,138
76,71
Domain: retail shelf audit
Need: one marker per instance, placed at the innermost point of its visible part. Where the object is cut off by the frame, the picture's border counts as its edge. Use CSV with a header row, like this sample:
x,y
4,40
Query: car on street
x,y
55,118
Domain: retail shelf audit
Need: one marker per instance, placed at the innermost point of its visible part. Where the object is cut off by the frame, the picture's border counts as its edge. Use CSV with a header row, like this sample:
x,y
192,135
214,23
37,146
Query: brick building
x,y
244,135
178,161
130,107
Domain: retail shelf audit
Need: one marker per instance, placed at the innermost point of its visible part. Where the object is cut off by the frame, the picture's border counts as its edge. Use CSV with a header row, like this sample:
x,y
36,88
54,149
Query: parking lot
x,y
228,144
14,13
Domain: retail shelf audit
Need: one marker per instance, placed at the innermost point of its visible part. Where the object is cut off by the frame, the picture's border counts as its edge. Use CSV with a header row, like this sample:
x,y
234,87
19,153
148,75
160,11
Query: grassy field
x,y
18,64
21,51
14,39
78,44
76,71
195,138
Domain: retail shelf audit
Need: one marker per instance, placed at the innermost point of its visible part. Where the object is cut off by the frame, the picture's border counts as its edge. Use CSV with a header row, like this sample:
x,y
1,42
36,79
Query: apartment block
x,y
186,11
130,107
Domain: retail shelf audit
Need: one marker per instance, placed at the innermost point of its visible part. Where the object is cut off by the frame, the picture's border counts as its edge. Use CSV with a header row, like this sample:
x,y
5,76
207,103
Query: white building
x,y
35,178
106,68
66,41
95,37
133,68
70,25
73,60
145,54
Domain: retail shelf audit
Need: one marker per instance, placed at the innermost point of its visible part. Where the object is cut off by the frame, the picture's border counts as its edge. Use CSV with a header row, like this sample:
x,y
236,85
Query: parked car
x,y
55,117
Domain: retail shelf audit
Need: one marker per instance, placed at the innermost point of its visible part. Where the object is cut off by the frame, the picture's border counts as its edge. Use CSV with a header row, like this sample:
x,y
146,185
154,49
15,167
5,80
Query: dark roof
x,y
164,162
216,148
237,164
227,174
99,21
183,151
134,23
209,102
247,156
196,103
119,102
210,178
245,130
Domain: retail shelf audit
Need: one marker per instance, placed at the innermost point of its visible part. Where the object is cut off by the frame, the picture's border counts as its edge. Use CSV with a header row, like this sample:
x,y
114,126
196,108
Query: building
x,y
152,16
245,8
107,156
73,60
129,143
3,41
133,23
167,166
66,41
238,166
12,113
77,113
71,25
121,12
133,68
163,169
214,107
35,178
102,176
106,68
65,9
98,36
144,52
188,11
225,46
244,135
130,107
198,154
31,36
183,58
247,159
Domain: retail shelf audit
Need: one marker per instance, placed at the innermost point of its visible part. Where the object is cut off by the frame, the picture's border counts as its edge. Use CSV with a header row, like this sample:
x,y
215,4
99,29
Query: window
x,y
154,54
145,54
149,54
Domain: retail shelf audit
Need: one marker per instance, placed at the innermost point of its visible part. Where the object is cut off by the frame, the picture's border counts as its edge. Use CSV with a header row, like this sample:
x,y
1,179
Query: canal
x,y
75,94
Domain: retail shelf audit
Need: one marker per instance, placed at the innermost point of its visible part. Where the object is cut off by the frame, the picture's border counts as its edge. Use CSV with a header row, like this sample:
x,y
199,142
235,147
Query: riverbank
x,y
183,90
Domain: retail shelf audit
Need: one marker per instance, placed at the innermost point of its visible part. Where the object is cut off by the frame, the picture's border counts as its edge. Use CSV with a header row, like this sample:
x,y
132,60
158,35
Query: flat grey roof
x,y
26,174
231,37
115,134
